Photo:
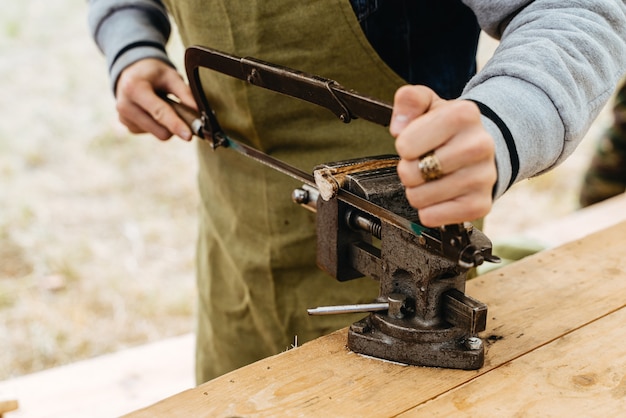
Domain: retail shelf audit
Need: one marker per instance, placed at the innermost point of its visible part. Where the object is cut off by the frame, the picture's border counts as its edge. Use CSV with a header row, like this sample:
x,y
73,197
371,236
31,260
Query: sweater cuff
x,y
128,35
525,125
503,157
134,53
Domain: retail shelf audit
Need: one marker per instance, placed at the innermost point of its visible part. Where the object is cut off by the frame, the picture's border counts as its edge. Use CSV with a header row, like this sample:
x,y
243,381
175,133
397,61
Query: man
x,y
521,115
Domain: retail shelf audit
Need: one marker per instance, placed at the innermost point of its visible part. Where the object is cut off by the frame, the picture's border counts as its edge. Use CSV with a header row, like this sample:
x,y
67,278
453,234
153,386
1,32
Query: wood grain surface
x,y
553,329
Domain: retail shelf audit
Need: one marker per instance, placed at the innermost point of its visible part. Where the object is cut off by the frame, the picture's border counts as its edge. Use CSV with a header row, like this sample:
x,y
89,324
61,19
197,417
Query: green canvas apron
x,y
256,250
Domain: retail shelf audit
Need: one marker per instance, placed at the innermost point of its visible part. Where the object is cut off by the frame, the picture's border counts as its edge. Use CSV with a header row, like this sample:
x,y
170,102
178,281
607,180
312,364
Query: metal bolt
x,y
254,74
300,196
473,343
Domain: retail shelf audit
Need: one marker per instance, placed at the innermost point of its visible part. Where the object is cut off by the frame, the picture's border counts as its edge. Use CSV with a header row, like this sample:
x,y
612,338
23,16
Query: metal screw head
x,y
473,343
300,196
252,77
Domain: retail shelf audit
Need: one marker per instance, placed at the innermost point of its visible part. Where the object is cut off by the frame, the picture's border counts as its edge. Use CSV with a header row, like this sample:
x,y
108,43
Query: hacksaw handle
x,y
188,114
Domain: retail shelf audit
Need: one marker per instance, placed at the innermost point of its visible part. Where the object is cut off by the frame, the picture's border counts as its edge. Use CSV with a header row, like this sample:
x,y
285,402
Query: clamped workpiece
x,y
366,227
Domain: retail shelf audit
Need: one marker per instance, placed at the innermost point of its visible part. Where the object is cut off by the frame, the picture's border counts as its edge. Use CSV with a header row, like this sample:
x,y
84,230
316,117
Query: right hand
x,y
142,110
422,122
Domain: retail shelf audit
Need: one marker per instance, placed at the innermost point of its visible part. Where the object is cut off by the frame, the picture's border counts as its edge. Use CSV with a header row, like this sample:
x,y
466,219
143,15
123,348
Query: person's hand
x,y
464,156
138,105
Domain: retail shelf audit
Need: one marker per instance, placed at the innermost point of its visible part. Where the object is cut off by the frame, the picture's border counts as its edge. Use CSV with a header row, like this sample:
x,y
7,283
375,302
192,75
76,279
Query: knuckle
x,y
401,147
158,113
403,171
126,87
477,203
462,112
405,146
481,180
415,198
130,126
122,106
488,176
467,108
479,147
409,95
477,208
485,146
403,92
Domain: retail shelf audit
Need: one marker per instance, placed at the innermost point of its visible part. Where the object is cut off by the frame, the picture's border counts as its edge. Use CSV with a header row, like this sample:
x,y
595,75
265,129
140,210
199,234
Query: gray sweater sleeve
x,y
556,66
129,30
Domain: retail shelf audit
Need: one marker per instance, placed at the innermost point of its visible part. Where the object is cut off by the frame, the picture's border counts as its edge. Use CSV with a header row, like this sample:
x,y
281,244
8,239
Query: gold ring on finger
x,y
430,167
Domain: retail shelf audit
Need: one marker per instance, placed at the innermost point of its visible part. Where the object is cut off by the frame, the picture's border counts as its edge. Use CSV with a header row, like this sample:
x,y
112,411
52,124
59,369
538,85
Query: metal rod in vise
x,y
344,309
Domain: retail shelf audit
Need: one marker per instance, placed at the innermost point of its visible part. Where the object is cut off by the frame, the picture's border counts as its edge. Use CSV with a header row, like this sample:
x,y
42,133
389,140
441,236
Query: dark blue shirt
x,y
429,42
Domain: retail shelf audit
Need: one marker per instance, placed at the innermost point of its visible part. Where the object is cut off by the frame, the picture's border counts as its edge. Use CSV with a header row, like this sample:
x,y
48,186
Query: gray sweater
x,y
557,64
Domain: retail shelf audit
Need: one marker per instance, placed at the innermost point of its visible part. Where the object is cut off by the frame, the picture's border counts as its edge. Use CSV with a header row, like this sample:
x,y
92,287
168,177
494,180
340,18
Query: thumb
x,y
409,103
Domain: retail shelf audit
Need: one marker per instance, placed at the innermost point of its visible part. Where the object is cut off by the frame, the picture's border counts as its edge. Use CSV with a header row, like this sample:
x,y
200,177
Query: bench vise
x,y
422,315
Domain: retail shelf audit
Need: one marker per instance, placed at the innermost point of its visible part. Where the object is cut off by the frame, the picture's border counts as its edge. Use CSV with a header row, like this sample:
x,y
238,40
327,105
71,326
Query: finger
x,y
162,113
136,126
173,83
433,129
471,187
465,208
409,103
478,178
138,121
464,149
410,173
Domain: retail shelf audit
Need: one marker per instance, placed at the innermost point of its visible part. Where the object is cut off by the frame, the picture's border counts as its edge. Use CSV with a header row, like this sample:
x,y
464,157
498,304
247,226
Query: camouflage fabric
x,y
606,175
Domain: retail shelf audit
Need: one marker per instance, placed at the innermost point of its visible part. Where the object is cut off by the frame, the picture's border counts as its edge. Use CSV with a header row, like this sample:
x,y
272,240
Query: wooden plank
x,y
580,223
108,385
7,405
580,374
531,303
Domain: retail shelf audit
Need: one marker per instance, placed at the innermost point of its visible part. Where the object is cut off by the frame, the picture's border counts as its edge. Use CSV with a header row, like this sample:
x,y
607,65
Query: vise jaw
x,y
422,315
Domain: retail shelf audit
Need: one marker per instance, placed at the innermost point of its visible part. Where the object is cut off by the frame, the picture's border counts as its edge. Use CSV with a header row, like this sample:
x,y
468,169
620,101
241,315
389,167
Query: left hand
x,y
139,107
423,122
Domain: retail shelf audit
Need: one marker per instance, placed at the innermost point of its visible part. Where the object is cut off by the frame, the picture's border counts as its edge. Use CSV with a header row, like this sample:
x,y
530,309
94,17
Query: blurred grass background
x,y
97,227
